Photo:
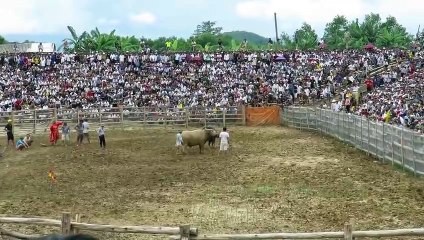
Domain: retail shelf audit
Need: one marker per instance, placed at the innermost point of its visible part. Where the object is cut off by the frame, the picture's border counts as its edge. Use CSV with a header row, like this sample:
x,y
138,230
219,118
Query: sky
x,y
46,20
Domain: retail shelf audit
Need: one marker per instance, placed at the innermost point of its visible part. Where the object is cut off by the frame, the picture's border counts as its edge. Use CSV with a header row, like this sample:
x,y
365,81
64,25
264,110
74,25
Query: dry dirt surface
x,y
273,179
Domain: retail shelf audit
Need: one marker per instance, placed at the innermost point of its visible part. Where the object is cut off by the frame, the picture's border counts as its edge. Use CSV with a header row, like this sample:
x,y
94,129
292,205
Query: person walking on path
x,y
102,139
9,130
224,136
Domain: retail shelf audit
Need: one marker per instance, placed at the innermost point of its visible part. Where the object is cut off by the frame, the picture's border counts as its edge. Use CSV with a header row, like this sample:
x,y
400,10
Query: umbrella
x,y
280,58
369,46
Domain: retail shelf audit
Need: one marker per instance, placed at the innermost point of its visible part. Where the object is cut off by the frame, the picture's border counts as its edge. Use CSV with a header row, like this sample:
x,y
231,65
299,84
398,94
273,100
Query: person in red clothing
x,y
369,84
54,132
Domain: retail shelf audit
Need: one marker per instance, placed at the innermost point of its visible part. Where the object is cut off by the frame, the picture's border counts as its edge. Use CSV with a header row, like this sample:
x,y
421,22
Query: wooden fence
x,y
392,144
36,121
186,232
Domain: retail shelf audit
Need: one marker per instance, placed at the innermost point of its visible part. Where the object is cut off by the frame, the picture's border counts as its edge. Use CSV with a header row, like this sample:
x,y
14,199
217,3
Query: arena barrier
x,y
396,145
38,121
256,116
186,232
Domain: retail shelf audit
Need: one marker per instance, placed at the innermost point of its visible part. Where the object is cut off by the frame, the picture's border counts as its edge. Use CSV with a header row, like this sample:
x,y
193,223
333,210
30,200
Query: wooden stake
x,y
66,223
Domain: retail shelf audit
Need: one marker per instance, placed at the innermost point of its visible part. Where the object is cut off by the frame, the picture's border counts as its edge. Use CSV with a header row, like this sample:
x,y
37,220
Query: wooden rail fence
x,y
186,232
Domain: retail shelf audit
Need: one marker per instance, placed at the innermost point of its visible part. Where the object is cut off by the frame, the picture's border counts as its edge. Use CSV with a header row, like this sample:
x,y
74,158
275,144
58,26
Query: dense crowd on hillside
x,y
210,80
395,95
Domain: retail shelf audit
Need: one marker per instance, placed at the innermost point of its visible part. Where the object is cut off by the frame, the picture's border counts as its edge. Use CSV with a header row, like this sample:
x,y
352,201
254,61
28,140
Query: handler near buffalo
x,y
224,136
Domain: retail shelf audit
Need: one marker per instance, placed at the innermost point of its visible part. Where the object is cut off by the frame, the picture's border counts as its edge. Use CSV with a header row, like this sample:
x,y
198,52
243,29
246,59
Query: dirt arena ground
x,y
274,179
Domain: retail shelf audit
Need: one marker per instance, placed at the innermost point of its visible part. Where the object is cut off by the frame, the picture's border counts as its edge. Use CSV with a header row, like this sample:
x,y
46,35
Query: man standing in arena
x,y
86,128
80,133
9,130
179,142
102,139
224,136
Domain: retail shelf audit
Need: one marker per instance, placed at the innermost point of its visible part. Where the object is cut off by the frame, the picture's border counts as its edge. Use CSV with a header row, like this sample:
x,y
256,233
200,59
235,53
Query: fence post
x,y
243,112
393,154
12,117
368,140
66,223
78,115
77,219
320,120
413,154
100,115
355,130
224,112
362,142
144,116
293,117
401,149
348,235
55,113
185,232
338,125
186,118
307,118
384,146
205,116
121,110
34,125
376,143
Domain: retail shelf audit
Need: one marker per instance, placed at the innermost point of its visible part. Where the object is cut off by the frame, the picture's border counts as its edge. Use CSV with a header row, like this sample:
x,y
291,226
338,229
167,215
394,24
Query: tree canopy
x,y
340,33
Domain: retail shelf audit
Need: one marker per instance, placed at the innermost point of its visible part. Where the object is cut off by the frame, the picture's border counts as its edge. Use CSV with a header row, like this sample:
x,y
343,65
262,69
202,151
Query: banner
x,y
257,116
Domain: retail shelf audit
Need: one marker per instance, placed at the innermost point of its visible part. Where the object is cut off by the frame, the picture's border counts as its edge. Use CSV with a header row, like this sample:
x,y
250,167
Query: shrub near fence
x,y
397,145
37,121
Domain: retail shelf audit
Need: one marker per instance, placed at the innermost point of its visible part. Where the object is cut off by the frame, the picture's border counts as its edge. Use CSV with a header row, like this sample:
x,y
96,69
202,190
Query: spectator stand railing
x,y
38,121
396,145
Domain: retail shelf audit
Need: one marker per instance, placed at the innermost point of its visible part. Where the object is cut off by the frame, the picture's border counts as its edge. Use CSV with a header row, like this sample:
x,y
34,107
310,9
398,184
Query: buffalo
x,y
198,137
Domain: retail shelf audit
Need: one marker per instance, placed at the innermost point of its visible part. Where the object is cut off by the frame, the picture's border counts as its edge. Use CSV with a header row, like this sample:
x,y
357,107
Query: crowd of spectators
x,y
210,80
395,95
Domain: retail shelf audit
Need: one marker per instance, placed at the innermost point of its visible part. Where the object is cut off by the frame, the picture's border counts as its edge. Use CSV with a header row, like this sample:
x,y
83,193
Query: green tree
x,y
208,27
287,42
355,36
392,34
305,37
371,26
2,40
334,32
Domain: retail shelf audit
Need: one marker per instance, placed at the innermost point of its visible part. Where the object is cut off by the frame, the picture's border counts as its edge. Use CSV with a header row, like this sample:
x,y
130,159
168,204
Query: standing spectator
x,y
9,130
65,133
102,139
86,129
224,136
80,133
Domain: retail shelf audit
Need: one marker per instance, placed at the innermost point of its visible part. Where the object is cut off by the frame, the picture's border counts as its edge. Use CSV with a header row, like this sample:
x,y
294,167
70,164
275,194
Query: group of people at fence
x,y
187,80
58,130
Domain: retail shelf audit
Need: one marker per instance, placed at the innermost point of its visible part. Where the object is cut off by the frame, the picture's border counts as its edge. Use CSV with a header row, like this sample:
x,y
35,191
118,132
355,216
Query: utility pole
x,y
276,30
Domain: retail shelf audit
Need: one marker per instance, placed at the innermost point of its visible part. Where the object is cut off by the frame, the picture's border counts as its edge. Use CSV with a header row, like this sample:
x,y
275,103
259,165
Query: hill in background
x,y
251,37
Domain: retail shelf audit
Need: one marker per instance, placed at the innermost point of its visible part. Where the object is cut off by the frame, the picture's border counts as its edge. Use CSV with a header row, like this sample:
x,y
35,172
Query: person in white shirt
x,y
179,142
86,127
224,136
102,139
